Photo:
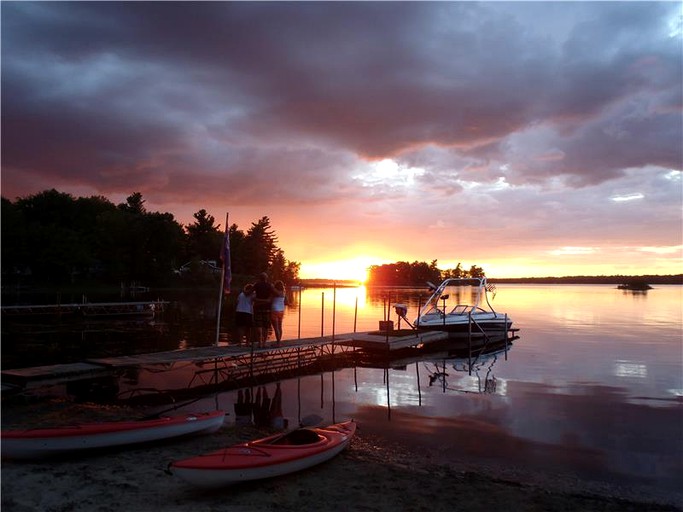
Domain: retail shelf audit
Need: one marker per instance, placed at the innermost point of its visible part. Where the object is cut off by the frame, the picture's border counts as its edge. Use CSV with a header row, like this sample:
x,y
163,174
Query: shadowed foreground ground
x,y
369,476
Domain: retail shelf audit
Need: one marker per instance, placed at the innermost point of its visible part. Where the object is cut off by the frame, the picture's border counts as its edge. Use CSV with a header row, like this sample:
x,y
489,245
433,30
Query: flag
x,y
491,288
225,258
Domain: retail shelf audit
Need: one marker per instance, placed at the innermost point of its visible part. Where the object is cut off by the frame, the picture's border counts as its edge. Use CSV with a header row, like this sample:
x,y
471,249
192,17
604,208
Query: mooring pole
x,y
505,328
322,316
469,342
300,307
334,311
225,253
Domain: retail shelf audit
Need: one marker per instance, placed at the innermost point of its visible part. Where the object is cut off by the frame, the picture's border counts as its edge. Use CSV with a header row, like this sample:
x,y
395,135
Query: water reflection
x,y
592,388
481,377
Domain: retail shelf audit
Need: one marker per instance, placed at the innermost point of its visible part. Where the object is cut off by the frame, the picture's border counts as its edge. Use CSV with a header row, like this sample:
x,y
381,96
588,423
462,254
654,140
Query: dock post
x,y
334,311
419,389
298,333
507,338
419,309
469,343
355,314
322,316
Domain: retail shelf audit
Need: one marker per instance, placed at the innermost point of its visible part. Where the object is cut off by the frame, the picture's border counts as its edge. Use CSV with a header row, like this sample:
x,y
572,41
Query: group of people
x,y
260,305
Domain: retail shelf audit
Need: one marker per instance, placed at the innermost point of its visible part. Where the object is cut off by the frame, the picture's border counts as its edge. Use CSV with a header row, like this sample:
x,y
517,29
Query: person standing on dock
x,y
264,295
277,310
244,314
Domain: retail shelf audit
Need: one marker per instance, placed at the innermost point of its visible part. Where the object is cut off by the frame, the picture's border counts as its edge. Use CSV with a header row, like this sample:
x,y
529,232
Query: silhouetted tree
x,y
456,272
260,244
56,251
134,204
15,244
204,238
52,238
238,250
475,271
416,273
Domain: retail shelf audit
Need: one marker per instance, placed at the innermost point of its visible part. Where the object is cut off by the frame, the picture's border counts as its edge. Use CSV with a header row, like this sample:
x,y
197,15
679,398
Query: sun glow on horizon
x,y
569,260
355,269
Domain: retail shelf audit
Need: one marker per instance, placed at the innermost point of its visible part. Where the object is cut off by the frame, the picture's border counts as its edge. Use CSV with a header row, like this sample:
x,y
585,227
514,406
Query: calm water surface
x,y
592,389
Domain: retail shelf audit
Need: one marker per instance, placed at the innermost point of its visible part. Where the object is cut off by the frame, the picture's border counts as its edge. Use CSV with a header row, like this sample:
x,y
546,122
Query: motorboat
x,y
461,305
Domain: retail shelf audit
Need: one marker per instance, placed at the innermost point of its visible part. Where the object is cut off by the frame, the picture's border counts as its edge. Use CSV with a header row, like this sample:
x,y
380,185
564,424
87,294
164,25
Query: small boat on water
x,y
268,457
461,305
45,442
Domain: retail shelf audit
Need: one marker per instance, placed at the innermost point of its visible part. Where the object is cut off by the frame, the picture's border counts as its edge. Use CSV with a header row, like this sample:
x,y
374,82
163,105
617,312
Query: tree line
x,y
403,273
53,238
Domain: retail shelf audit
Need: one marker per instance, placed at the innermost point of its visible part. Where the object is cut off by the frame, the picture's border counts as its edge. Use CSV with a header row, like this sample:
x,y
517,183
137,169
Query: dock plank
x,y
376,341
53,373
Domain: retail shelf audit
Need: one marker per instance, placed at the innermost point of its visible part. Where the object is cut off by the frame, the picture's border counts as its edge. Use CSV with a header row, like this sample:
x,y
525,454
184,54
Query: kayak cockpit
x,y
298,437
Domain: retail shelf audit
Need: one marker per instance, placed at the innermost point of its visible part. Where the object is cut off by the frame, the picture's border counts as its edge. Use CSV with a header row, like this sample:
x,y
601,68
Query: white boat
x,y
461,305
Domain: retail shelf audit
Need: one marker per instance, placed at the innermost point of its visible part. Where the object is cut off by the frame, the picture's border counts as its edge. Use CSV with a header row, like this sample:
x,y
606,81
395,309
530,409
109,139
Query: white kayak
x,y
45,442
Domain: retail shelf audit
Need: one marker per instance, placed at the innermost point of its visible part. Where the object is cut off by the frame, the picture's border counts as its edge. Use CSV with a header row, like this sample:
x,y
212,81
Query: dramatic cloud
x,y
400,117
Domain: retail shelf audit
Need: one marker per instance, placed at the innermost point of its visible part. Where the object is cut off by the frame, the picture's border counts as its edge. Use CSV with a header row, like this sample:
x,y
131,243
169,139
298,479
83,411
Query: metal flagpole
x,y
225,256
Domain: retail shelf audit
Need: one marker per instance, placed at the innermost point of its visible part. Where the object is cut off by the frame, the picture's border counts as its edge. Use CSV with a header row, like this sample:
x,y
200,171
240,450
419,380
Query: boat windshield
x,y
456,296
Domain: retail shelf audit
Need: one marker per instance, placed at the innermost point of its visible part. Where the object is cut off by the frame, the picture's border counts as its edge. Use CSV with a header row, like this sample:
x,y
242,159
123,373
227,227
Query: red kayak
x,y
268,457
44,442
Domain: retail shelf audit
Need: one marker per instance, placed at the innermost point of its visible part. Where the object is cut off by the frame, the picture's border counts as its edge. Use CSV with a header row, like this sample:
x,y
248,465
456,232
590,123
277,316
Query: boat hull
x,y
39,443
264,458
461,323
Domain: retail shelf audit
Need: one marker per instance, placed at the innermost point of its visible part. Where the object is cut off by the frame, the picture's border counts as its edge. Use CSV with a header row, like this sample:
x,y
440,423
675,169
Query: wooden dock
x,y
85,310
222,365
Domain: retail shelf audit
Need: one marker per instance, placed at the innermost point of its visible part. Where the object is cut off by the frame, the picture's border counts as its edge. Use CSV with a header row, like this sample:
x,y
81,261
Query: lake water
x,y
592,390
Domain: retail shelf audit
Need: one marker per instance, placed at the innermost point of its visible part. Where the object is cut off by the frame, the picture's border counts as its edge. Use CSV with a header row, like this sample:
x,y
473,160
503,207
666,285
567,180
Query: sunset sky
x,y
531,139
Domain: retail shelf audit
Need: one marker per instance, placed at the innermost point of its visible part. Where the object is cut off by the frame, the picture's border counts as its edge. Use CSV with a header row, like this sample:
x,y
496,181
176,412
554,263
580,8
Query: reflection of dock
x,y
208,368
85,310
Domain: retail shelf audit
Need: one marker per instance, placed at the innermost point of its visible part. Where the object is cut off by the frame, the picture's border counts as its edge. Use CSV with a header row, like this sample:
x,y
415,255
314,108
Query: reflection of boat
x,y
268,457
467,348
439,372
44,442
457,305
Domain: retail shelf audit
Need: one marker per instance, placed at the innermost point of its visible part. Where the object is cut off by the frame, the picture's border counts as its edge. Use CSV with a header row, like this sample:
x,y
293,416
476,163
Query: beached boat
x,y
268,457
461,305
44,442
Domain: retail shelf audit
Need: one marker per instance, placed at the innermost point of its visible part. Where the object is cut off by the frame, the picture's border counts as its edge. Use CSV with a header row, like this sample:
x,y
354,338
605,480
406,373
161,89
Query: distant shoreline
x,y
617,279
676,279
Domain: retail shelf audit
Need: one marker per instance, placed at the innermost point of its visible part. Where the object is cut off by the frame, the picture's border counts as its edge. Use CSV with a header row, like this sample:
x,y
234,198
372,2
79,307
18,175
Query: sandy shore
x,y
371,475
